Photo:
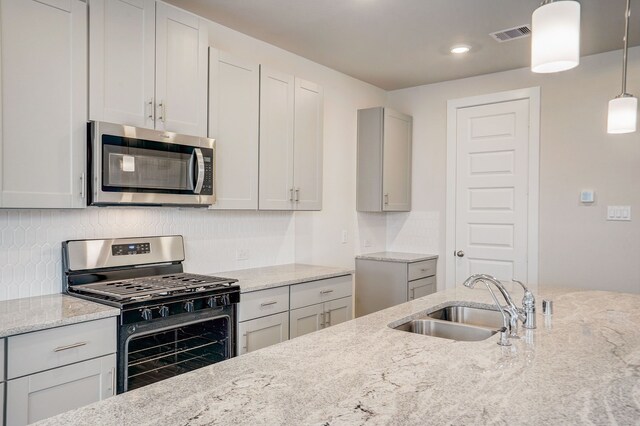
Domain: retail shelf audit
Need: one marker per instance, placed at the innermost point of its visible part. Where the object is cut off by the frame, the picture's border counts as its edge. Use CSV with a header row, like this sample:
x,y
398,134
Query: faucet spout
x,y
507,321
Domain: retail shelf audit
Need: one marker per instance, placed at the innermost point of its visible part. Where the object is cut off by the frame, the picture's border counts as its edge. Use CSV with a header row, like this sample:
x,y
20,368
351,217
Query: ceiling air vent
x,y
512,33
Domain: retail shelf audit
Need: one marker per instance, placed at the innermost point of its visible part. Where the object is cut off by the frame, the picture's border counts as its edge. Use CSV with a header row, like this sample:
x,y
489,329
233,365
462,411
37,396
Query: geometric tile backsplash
x,y
30,259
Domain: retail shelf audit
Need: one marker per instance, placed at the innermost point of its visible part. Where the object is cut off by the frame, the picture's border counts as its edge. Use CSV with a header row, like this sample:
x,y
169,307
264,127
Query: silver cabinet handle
x,y
82,185
163,111
297,191
200,164
326,291
73,345
245,341
413,294
328,322
386,199
291,195
113,381
322,320
149,107
268,303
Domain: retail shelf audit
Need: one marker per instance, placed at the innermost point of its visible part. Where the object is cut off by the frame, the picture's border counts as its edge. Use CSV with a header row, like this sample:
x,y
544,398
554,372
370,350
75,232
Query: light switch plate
x,y
587,196
619,213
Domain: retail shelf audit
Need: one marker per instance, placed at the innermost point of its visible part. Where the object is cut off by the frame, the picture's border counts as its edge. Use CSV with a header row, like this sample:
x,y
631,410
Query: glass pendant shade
x,y
623,114
555,39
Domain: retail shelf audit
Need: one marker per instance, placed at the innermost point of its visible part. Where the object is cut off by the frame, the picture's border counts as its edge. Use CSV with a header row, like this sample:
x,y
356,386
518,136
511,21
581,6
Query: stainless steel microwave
x,y
135,166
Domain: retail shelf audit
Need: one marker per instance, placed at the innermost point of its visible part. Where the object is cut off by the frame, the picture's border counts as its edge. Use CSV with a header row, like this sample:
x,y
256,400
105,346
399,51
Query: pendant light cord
x,y
625,48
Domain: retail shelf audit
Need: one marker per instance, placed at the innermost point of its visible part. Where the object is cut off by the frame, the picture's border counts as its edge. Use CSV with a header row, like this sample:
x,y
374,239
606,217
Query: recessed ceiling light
x,y
459,49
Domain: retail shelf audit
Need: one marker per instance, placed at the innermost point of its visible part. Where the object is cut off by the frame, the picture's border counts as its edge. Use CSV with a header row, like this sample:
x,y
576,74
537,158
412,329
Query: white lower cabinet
x,y
262,332
322,315
41,395
2,403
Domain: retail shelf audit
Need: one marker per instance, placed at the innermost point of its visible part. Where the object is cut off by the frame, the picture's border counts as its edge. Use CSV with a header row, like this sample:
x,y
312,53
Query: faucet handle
x,y
529,305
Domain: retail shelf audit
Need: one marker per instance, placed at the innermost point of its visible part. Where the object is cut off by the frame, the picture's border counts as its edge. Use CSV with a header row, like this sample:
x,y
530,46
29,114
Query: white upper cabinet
x,y
233,122
276,140
291,125
122,61
43,69
384,160
307,158
148,66
181,71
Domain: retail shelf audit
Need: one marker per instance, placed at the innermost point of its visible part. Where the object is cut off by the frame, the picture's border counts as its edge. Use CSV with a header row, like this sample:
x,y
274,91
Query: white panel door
x,y
306,320
122,61
276,140
338,311
234,95
491,191
396,175
307,148
38,396
44,103
262,332
181,71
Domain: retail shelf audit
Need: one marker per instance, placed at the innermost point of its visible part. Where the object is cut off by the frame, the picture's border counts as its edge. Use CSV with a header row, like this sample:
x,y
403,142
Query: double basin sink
x,y
457,322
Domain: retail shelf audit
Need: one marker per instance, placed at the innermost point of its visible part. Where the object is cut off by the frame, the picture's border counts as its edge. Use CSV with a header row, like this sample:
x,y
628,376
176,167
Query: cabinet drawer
x,y
423,269
1,364
262,332
422,287
313,292
41,350
264,302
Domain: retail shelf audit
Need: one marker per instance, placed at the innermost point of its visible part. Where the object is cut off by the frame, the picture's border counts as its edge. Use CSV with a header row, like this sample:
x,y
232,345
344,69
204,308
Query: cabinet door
x,y
422,287
38,396
306,320
234,93
337,311
122,61
262,332
2,403
396,167
181,71
307,158
44,103
276,140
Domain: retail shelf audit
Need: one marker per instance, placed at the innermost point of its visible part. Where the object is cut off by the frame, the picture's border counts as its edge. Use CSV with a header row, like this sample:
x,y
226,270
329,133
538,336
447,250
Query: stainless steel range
x,y
170,322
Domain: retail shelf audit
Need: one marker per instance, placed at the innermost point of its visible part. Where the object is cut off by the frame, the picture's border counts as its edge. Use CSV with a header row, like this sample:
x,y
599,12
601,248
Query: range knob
x,y
189,306
164,311
212,302
147,314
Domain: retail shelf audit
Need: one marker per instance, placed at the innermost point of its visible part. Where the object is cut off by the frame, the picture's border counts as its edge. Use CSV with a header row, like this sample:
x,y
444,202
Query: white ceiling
x,y
403,43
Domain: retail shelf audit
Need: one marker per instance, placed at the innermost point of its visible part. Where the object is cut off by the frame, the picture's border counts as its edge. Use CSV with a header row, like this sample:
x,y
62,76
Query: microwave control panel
x,y
207,185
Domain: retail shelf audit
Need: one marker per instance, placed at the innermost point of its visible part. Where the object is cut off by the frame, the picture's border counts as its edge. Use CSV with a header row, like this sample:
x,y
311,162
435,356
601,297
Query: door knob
x,y
460,253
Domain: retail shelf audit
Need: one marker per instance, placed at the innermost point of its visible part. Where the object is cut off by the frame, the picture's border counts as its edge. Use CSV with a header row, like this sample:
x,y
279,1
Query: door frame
x,y
453,105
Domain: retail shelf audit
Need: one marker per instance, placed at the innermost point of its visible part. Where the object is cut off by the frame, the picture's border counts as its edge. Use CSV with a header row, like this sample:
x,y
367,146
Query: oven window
x,y
163,354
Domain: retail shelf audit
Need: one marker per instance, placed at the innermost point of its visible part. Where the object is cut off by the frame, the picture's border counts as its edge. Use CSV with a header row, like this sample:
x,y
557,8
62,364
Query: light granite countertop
x,y
580,366
19,316
393,256
277,276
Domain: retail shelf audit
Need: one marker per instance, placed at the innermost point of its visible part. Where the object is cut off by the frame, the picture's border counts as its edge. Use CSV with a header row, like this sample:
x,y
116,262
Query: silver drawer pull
x,y
268,303
326,291
423,270
73,345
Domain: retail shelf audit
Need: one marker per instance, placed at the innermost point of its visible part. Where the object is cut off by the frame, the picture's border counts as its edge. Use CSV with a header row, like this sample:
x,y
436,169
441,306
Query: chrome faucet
x,y
526,314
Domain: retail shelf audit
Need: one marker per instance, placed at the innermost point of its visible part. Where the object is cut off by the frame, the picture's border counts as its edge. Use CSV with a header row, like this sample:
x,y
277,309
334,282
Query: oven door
x,y
140,166
163,348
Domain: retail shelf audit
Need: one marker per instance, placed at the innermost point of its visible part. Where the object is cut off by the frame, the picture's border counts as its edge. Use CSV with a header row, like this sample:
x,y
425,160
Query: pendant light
x,y
555,39
623,110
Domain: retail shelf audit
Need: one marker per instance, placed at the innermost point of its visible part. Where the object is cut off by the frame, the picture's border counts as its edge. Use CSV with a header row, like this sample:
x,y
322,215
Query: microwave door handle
x,y
197,188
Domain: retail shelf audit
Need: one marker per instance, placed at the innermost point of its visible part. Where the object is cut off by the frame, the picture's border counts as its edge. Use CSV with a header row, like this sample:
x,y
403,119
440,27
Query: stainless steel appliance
x,y
170,322
135,166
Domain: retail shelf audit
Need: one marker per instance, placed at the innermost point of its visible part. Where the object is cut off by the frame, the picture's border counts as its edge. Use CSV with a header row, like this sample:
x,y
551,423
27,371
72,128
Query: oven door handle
x,y
198,165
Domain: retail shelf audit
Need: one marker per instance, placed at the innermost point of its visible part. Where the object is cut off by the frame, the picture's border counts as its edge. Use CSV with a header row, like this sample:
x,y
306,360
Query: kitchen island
x,y
581,365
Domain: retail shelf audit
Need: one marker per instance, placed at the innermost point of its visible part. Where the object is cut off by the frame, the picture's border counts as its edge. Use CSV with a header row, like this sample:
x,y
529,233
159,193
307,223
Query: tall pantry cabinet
x,y
148,66
43,113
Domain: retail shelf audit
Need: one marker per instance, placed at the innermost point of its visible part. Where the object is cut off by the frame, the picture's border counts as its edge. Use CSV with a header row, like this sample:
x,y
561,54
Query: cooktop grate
x,y
149,286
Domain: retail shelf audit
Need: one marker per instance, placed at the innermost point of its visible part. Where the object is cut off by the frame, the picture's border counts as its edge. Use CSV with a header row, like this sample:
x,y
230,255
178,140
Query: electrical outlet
x,y
242,254
367,243
345,236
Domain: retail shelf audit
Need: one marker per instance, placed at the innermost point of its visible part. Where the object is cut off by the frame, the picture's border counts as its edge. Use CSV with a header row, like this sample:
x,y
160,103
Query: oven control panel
x,y
128,249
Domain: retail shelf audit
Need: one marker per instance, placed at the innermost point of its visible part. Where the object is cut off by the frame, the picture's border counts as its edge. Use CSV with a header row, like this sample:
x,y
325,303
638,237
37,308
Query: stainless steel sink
x,y
447,330
467,315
